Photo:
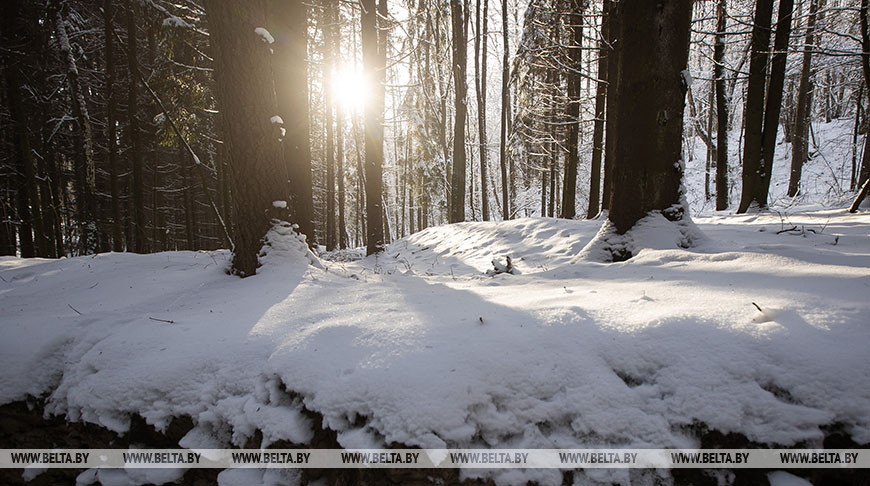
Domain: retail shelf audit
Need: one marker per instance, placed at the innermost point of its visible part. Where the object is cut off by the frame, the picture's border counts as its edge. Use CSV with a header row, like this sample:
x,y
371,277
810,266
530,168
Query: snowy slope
x,y
419,347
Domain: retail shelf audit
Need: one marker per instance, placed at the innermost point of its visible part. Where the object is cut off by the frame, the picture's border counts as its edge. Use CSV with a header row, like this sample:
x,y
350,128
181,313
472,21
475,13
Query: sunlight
x,y
349,88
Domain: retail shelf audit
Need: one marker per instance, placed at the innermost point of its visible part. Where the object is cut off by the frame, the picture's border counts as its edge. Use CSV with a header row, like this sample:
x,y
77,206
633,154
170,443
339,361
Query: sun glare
x,y
350,88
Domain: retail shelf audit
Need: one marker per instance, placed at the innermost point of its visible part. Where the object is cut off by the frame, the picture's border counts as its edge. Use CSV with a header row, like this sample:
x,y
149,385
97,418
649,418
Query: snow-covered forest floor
x,y
420,347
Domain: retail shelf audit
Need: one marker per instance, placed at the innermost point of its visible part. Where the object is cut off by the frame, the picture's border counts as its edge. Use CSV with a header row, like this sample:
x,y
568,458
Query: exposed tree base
x,y
658,230
865,190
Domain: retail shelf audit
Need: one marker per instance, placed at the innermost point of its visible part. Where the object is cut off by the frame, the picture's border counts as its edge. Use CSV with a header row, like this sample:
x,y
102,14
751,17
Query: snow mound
x,y
653,232
534,244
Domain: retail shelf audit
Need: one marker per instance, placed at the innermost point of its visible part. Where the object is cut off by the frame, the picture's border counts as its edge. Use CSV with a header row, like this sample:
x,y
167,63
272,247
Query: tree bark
x,y
289,25
600,105
111,122
460,61
505,113
374,66
774,99
246,99
480,54
569,190
753,166
803,110
85,168
611,122
651,95
135,132
721,109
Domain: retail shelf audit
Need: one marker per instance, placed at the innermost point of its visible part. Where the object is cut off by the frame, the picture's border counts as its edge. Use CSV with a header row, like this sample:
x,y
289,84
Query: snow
x,y
420,347
276,120
173,21
687,78
279,204
782,478
265,35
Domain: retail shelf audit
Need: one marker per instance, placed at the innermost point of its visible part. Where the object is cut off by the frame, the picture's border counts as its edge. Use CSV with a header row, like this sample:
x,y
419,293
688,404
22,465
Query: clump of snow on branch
x,y
174,21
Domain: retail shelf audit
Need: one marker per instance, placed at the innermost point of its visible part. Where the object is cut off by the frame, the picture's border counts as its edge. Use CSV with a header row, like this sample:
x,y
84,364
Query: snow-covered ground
x,y
419,347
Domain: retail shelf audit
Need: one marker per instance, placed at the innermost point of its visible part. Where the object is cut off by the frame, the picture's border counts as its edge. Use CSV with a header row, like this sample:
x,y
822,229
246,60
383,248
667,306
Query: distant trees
x,y
109,115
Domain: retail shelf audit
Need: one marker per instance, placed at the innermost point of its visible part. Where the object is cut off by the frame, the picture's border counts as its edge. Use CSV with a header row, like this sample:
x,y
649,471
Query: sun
x,y
350,88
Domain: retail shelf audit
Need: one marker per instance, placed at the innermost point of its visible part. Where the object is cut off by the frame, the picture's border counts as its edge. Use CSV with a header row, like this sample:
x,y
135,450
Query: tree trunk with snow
x,y
288,24
651,92
246,100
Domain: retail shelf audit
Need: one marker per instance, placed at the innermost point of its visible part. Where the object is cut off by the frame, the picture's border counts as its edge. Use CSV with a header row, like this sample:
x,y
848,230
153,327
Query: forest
x,y
529,231
154,125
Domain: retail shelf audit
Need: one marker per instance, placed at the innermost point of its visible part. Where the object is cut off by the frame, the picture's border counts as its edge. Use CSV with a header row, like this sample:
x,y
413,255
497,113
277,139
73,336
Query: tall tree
x,y
611,125
651,93
288,21
111,125
774,99
330,37
460,63
246,100
134,130
374,36
505,112
754,110
480,55
600,105
803,108
85,167
721,108
569,192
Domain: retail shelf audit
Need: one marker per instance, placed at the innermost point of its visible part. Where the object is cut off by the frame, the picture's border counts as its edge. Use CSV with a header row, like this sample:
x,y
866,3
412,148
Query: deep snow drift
x,y
420,347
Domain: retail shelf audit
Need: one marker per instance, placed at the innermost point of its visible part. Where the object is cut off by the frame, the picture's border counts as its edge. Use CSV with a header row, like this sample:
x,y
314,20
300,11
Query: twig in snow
x,y
73,308
759,308
161,320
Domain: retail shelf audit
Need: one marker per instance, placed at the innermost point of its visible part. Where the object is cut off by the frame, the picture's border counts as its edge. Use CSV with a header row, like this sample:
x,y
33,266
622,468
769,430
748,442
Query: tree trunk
x,y
246,99
505,113
85,171
374,65
569,191
111,119
753,166
135,135
480,51
721,109
774,99
600,104
651,95
330,35
803,109
288,23
864,174
460,61
613,73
